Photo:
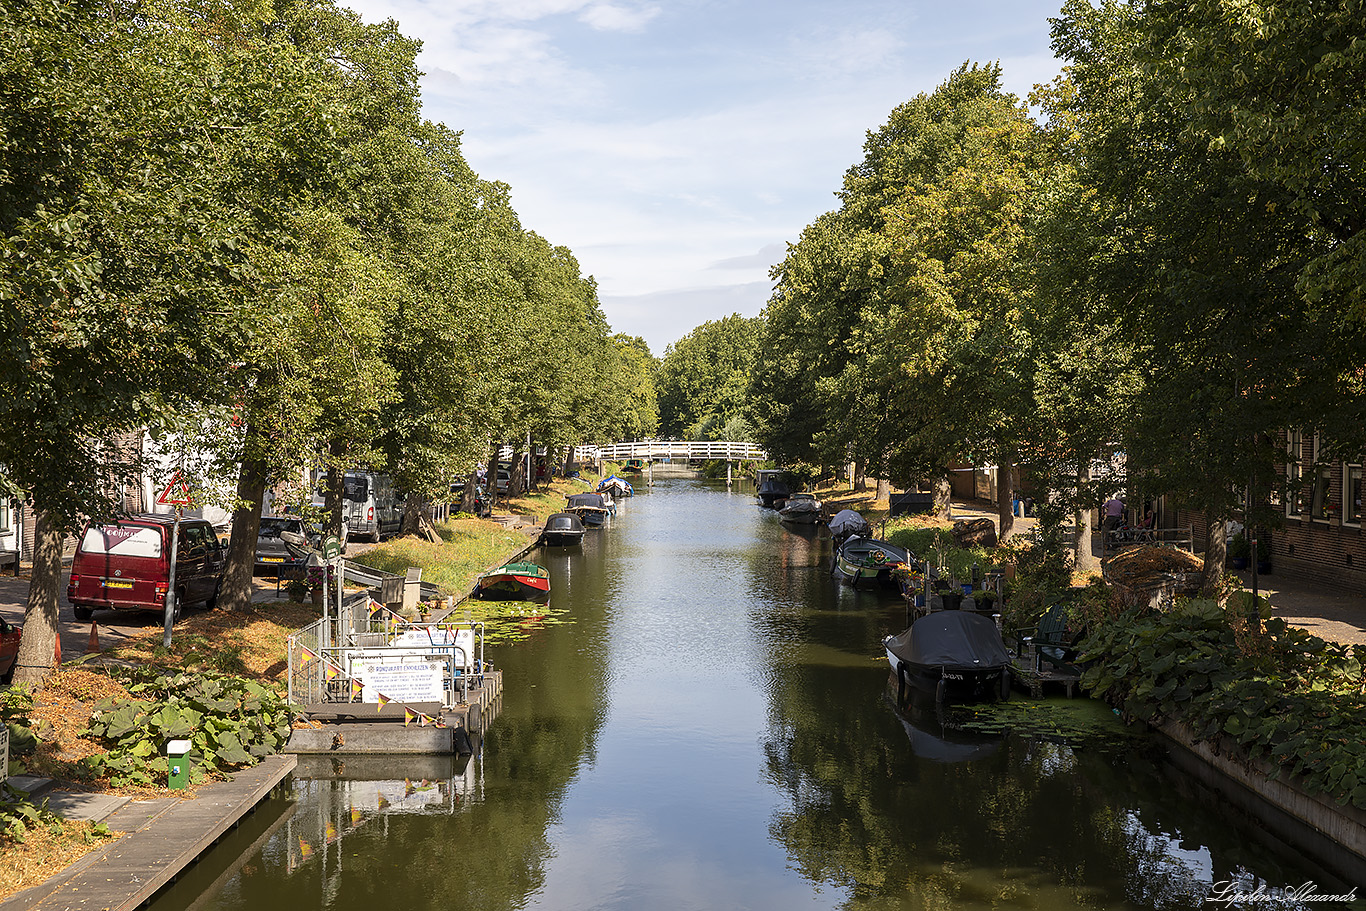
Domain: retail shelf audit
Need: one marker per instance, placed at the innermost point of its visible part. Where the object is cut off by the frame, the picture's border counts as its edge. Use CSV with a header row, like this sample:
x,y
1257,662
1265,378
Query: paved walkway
x,y
163,836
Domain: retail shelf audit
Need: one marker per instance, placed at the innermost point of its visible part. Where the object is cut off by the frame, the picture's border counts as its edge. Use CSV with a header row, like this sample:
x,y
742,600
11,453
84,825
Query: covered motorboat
x,y
591,508
801,509
515,582
952,654
861,559
616,487
563,529
846,524
772,492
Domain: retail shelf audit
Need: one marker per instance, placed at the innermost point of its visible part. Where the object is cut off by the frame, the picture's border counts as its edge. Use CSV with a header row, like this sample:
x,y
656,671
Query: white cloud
x,y
609,17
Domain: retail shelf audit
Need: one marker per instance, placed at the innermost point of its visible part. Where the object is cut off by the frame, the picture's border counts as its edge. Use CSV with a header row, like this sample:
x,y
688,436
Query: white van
x,y
371,508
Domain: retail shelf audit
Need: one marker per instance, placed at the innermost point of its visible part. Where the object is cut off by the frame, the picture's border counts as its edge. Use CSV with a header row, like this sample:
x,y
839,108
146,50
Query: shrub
x,y
1259,687
230,722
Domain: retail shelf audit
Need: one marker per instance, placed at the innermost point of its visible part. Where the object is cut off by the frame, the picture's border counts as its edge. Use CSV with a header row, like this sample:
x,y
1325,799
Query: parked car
x,y
10,635
273,553
126,565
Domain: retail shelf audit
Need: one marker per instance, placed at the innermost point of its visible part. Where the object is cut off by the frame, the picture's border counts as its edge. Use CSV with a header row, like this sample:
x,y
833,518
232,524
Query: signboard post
x,y
176,493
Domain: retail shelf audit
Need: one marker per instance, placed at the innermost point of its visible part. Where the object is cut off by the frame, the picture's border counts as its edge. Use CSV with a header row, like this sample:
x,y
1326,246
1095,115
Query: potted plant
x,y
1239,551
296,589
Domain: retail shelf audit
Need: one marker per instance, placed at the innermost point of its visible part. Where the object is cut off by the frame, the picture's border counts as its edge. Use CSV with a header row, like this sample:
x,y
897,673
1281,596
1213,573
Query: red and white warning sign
x,y
176,493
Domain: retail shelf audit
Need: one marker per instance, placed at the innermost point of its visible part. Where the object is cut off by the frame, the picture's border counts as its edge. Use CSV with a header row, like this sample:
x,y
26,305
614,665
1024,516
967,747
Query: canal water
x,y
713,728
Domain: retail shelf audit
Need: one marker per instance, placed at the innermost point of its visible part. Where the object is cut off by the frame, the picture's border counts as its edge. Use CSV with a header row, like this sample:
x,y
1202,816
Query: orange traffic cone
x,y
93,645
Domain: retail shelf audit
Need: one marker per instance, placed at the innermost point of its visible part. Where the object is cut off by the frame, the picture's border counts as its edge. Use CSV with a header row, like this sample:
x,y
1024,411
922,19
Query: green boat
x,y
515,582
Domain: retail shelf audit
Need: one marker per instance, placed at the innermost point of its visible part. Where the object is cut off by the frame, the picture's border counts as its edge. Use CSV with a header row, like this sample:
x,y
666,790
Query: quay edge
x,y
1335,835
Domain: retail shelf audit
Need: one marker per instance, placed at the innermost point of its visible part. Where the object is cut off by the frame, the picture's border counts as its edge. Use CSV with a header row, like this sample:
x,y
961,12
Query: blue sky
x,y
677,146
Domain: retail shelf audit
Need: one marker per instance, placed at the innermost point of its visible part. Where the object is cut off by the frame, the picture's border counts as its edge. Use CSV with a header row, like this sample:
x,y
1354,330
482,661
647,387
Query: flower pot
x,y
317,597
1238,562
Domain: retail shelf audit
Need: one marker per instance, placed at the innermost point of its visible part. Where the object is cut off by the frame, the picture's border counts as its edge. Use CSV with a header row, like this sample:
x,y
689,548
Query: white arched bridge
x,y
672,451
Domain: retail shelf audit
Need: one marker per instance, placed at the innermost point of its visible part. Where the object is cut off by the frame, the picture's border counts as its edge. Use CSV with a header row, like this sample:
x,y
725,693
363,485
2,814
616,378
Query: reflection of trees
x,y
490,854
1036,822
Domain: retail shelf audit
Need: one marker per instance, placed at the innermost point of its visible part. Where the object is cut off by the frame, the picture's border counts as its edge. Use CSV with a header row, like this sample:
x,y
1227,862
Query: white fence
x,y
672,451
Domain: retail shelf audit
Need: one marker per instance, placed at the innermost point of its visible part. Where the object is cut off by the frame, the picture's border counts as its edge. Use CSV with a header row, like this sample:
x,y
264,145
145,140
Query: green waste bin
x,y
178,764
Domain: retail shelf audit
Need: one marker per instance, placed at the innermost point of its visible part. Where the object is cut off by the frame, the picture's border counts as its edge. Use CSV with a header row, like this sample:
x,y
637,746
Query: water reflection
x,y
711,730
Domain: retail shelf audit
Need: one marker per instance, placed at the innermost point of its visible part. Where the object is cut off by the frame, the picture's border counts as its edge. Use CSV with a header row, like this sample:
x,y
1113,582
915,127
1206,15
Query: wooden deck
x,y
163,836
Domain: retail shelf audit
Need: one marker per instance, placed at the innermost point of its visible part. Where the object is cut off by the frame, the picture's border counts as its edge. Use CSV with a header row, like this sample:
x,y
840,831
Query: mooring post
x,y
727,472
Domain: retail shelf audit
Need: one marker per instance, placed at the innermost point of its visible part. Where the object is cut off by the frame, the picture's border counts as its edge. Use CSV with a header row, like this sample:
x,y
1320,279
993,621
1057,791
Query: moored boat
x,y
615,486
591,508
846,523
563,529
772,490
952,654
634,466
801,509
515,582
861,559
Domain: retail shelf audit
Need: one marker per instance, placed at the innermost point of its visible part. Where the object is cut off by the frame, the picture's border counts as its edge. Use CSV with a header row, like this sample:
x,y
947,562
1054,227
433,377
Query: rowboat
x,y
515,582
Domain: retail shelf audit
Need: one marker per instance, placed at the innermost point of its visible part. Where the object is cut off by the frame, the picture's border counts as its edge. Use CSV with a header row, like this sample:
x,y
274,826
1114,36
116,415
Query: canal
x,y
712,728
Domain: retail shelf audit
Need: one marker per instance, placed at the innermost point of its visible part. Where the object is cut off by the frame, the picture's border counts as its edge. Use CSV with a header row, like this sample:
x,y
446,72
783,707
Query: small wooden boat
x,y
591,508
633,466
862,559
952,654
563,529
515,582
801,509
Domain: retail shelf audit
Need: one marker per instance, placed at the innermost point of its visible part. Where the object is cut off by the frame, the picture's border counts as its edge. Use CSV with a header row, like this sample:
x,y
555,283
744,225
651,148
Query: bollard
x,y
177,764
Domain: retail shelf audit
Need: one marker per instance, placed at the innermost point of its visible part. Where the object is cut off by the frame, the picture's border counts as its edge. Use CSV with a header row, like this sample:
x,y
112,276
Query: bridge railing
x,y
672,450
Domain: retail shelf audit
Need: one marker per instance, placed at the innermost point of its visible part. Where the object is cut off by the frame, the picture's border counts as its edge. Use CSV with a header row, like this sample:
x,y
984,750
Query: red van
x,y
127,565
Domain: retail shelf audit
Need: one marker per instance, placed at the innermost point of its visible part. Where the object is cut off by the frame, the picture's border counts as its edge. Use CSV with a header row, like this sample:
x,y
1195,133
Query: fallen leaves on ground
x,y
45,849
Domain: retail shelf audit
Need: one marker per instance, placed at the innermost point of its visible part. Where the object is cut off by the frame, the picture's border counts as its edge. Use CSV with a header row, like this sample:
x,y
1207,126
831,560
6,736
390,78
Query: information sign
x,y
4,752
331,547
414,681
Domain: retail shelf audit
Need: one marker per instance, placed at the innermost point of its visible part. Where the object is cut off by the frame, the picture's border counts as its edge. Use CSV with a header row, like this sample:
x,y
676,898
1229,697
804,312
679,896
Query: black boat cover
x,y
563,522
580,500
773,487
848,522
953,639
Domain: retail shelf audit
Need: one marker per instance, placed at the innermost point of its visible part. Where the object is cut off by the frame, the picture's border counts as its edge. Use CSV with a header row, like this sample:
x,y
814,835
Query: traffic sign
x,y
176,493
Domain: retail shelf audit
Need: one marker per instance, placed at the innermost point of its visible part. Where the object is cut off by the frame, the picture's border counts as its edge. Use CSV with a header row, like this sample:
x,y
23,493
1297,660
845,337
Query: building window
x,y
1351,495
1320,504
1294,473
4,515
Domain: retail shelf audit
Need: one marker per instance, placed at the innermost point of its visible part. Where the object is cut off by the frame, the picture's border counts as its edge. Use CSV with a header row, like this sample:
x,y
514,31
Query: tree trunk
x,y
236,590
1005,497
860,480
568,460
1216,549
517,474
332,491
943,498
1083,556
467,498
884,489
417,521
37,649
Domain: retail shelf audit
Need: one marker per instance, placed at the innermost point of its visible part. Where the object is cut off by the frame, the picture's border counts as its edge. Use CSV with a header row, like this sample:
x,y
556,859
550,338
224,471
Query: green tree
x,y
1198,268
703,377
116,234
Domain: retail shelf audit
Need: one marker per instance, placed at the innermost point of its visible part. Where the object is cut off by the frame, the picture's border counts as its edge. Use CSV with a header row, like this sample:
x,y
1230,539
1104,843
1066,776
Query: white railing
x,y
671,451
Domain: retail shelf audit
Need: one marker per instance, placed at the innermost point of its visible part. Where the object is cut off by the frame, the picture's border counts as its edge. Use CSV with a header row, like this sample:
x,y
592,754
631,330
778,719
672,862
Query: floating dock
x,y
365,727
